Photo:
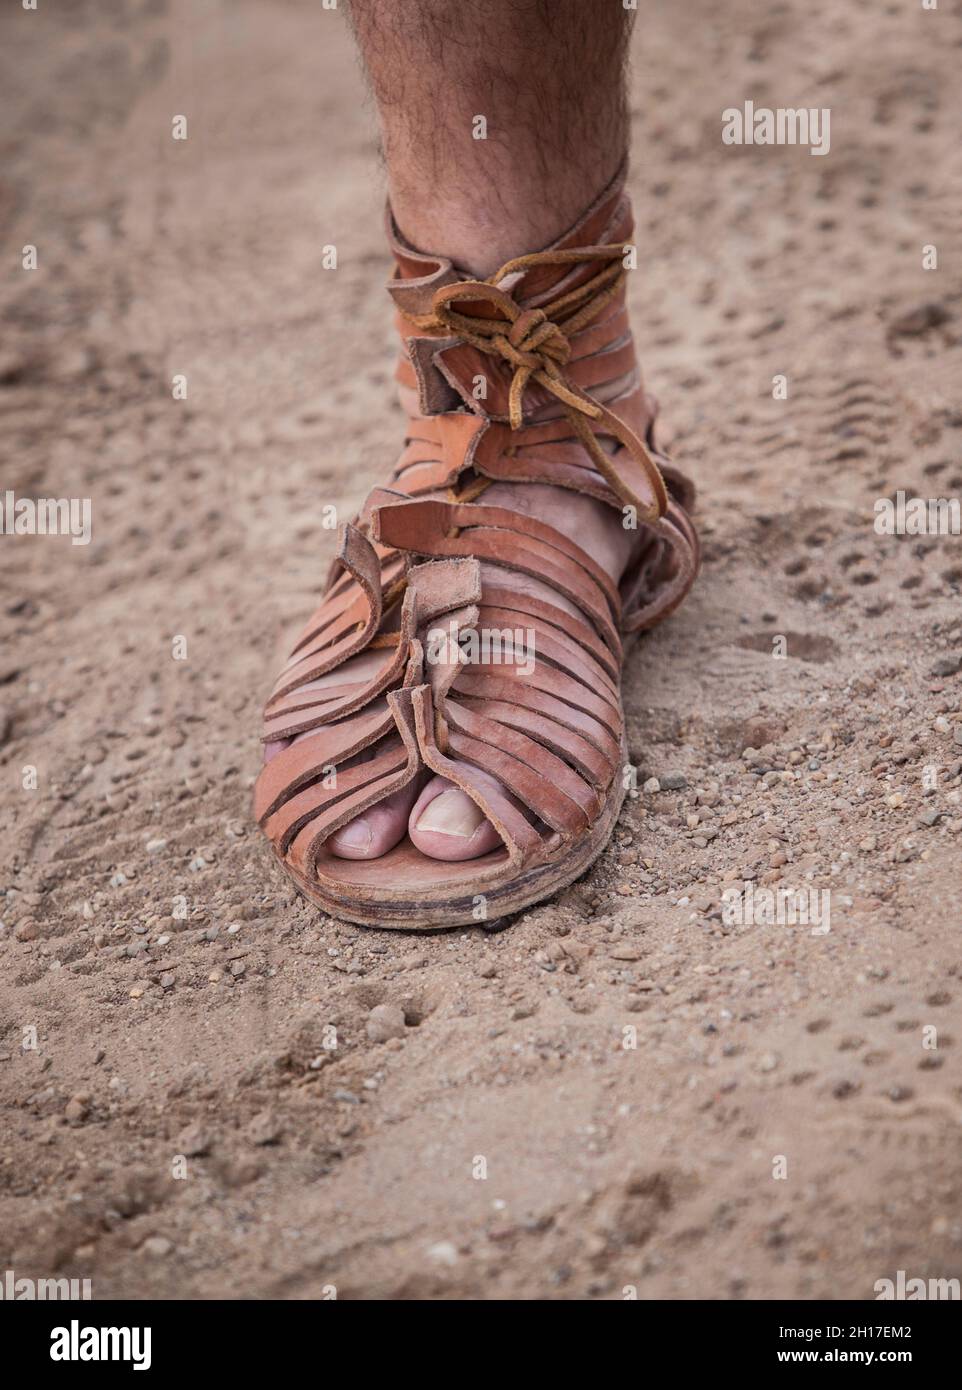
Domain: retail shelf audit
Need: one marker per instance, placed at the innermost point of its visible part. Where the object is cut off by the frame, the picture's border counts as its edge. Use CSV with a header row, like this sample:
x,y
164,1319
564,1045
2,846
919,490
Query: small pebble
x,y
442,1253
193,1142
157,1247
385,1021
264,1129
77,1108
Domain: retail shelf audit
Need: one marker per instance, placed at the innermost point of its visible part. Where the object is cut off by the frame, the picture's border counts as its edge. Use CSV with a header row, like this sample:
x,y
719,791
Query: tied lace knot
x,y
535,347
536,343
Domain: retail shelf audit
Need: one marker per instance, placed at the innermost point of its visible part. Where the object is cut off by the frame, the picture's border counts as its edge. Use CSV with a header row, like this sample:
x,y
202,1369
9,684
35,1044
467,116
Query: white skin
x,y
443,821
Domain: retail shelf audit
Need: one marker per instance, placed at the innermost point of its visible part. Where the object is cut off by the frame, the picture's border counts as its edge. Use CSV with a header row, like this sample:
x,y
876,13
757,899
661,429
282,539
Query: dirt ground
x,y
175,1121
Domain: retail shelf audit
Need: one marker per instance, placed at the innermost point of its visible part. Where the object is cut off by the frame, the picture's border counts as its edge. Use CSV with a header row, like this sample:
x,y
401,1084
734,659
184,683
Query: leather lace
x,y
536,344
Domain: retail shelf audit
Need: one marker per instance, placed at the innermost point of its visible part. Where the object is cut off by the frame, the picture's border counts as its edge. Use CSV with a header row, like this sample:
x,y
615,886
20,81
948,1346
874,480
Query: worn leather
x,y
428,551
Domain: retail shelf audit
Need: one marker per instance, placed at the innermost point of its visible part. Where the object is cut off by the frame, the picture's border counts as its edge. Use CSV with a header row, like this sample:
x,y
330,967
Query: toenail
x,y
357,835
451,813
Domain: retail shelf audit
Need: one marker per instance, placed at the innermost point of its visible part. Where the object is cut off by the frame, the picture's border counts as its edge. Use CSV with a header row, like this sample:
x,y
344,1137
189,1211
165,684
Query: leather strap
x,y
527,377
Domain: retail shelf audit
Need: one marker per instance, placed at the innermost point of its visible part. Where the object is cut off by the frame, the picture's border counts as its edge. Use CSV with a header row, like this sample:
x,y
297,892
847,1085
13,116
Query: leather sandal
x,y
527,377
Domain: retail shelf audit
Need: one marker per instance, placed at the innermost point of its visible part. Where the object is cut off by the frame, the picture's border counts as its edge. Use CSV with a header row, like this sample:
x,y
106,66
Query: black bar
x,y
280,1338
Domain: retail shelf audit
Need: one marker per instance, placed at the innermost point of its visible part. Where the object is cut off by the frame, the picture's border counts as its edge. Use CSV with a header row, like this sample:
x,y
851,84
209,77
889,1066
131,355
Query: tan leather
x,y
564,403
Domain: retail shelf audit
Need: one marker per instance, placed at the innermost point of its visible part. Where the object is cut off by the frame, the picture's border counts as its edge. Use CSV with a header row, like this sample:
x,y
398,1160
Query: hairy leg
x,y
547,79
546,76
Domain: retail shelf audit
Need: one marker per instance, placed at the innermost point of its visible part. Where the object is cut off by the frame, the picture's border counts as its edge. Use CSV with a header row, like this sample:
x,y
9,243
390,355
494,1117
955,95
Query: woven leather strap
x,y
561,402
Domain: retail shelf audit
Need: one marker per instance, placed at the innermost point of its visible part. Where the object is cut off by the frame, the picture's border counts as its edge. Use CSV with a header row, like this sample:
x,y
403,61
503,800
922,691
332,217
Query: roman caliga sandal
x,y
527,377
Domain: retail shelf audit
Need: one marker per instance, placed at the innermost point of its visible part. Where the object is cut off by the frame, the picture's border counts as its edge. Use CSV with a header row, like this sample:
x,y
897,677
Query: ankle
x,y
476,240
505,216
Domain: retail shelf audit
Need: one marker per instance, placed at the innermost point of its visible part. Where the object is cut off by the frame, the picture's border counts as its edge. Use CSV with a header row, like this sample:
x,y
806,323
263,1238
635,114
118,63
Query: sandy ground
x,y
181,1127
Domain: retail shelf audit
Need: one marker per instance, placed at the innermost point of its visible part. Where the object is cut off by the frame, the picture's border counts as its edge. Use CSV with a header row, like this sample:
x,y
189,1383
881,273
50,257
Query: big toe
x,y
446,824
